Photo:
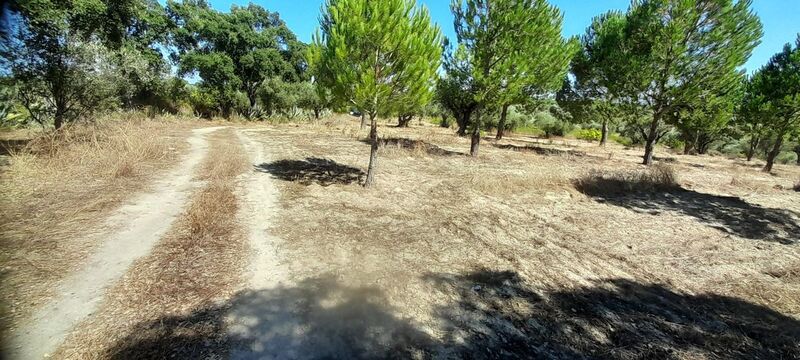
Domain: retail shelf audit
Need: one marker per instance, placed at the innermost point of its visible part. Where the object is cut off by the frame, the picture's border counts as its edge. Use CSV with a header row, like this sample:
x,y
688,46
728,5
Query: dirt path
x,y
253,317
133,230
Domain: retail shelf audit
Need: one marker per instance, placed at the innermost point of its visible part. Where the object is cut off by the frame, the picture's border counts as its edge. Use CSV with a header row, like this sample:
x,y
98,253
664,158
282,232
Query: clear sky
x,y
781,18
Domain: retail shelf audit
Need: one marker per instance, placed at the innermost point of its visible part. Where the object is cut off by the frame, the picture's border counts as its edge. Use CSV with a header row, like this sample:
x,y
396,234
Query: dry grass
x,y
198,263
56,189
501,254
659,177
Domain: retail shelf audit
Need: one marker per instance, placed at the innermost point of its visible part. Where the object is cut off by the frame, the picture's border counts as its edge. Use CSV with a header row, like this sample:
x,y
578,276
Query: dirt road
x,y
132,231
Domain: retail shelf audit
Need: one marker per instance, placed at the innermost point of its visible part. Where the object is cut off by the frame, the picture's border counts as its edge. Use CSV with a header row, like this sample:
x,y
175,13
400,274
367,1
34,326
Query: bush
x,y
622,140
589,134
551,125
659,177
786,157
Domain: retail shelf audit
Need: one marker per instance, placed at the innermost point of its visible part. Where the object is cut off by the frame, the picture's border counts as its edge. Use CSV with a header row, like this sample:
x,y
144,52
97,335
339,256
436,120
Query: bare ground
x,y
530,251
502,257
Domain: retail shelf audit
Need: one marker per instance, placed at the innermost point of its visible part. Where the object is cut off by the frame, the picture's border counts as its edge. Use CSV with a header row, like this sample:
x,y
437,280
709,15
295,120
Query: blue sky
x,y
781,18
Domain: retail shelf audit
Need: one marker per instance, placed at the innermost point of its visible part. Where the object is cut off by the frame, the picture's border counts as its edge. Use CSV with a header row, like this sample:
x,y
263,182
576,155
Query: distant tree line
x,y
664,71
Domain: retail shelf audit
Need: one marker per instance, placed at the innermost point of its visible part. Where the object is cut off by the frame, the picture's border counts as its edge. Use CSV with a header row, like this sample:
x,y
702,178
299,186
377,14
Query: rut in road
x,y
248,321
133,230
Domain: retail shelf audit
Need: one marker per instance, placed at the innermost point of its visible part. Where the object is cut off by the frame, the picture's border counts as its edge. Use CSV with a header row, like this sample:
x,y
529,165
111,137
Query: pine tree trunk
x,y
650,143
476,137
604,132
501,127
373,151
776,149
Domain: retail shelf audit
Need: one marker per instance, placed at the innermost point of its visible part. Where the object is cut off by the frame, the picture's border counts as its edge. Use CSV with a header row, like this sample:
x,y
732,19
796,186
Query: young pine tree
x,y
374,54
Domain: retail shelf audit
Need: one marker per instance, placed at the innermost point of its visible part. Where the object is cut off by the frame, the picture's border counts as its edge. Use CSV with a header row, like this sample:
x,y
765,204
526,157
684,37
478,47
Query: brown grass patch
x,y
659,177
199,263
57,188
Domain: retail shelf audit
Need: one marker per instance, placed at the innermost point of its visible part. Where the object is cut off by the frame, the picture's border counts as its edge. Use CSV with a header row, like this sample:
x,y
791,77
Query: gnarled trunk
x,y
751,150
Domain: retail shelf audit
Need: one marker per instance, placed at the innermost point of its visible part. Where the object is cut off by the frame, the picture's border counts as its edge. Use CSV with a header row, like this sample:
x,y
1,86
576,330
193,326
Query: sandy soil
x,y
504,256
134,229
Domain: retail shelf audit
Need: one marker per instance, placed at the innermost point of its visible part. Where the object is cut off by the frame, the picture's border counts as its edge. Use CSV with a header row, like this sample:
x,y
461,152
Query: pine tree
x,y
373,55
778,84
677,53
517,50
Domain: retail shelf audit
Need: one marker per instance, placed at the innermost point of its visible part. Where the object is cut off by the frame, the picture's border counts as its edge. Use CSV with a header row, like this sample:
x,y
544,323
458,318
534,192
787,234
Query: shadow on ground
x,y
488,315
416,145
726,213
539,150
10,146
320,171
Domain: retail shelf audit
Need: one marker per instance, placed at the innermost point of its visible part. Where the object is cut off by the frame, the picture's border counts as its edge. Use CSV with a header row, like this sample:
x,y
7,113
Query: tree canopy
x,y
376,55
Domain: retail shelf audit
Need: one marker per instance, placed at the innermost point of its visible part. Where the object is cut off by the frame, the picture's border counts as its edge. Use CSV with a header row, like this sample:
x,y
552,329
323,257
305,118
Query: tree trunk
x,y
404,120
797,151
776,149
687,147
501,127
604,132
751,151
316,113
463,122
650,143
444,123
59,120
476,137
363,121
373,151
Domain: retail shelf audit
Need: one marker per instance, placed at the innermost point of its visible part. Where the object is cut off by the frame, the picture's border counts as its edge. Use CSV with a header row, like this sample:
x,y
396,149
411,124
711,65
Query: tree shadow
x,y
540,150
489,315
319,318
729,214
312,170
416,145
502,317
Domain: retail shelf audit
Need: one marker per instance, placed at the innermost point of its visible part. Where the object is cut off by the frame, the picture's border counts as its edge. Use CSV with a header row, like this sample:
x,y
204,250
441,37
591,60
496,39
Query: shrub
x,y
551,125
589,134
657,178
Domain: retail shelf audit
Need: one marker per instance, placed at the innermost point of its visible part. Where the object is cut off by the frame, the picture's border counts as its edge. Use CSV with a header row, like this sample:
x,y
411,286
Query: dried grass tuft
x,y
659,177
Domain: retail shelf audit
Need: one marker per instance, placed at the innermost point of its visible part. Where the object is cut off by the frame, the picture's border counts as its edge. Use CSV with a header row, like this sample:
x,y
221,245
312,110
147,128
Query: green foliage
x,y
588,134
515,50
376,55
776,97
236,51
670,55
60,53
551,125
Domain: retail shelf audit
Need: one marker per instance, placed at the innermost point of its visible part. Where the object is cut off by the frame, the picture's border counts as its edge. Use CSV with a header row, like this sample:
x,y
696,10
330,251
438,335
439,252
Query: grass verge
x,y
198,263
55,190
